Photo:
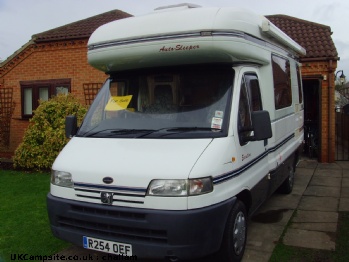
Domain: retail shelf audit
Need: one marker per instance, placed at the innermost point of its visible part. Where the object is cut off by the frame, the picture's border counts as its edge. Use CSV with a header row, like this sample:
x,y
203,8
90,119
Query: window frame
x,y
280,84
300,85
246,88
35,86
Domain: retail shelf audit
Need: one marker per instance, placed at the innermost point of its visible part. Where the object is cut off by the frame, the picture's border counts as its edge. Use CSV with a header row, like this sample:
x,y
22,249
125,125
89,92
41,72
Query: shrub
x,y
45,135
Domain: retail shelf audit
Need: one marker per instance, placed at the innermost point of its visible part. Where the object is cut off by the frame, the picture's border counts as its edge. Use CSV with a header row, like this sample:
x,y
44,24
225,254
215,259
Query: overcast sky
x,y
20,19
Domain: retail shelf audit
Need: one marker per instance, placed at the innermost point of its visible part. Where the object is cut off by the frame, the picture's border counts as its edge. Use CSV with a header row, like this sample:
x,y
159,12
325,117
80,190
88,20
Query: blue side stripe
x,y
229,175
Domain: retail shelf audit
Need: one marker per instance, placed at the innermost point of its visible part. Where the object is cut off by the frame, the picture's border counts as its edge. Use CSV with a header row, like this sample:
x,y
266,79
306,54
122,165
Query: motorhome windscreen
x,y
187,102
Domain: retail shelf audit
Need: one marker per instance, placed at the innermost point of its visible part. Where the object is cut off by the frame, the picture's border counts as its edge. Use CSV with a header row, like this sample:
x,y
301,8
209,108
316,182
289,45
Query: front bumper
x,y
152,233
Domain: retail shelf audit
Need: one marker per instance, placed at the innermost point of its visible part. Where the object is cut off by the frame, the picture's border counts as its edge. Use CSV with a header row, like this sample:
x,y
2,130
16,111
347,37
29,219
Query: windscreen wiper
x,y
193,128
176,130
117,132
146,132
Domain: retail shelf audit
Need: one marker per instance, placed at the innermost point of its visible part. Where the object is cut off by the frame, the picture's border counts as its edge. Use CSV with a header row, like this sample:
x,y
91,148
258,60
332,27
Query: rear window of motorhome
x,y
282,82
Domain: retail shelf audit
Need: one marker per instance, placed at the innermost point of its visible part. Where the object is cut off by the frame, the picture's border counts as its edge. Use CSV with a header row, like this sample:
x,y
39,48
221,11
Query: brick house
x,y
52,62
318,73
56,61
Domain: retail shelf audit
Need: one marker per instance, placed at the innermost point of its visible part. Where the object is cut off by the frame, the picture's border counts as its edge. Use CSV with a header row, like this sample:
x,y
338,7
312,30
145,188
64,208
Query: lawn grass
x,y
296,254
24,224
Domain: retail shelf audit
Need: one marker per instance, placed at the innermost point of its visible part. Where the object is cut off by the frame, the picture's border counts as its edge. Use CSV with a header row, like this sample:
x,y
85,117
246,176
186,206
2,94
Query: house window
x,y
34,91
282,82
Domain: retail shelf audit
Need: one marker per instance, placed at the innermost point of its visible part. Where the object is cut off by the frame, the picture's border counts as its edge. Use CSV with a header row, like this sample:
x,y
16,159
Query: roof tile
x,y
315,38
80,29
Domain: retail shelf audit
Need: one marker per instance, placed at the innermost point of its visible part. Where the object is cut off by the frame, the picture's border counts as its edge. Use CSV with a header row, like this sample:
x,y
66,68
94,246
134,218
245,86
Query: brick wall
x,y
45,61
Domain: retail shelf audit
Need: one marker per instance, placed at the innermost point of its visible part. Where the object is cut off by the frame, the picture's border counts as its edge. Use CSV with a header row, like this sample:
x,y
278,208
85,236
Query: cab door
x,y
254,154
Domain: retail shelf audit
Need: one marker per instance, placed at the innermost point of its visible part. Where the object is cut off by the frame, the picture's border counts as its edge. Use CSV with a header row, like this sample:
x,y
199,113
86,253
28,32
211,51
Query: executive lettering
x,y
179,48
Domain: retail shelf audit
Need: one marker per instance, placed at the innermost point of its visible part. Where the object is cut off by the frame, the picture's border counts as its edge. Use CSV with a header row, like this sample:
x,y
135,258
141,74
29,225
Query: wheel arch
x,y
246,198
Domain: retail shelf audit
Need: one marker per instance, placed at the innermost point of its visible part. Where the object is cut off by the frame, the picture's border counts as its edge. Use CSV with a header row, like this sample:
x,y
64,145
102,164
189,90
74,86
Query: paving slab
x,y
270,215
328,172
263,237
344,165
311,164
325,181
305,216
320,227
315,221
305,171
298,189
322,191
345,183
345,192
252,255
302,178
345,172
301,182
344,205
331,166
318,203
309,239
284,201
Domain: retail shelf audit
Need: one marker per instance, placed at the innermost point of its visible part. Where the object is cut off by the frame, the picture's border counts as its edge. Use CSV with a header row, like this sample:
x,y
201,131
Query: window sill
x,y
22,118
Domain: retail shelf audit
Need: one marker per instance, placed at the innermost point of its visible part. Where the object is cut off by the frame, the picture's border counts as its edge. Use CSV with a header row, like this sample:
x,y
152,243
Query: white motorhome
x,y
200,121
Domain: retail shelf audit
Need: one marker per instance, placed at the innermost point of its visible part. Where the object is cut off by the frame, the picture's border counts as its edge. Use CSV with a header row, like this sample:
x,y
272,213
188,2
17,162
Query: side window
x,y
282,82
252,85
250,100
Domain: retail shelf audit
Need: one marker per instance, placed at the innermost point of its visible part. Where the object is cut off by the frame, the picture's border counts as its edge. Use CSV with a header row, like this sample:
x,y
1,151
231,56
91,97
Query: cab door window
x,y
250,100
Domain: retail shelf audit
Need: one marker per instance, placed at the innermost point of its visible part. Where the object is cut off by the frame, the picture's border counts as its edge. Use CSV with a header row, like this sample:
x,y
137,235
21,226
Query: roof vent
x,y
177,7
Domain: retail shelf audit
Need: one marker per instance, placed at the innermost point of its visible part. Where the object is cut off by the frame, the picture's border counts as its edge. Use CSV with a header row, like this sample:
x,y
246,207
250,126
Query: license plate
x,y
107,246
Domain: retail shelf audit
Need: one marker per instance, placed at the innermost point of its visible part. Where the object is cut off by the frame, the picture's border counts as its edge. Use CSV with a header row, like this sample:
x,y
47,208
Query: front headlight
x,y
180,187
60,178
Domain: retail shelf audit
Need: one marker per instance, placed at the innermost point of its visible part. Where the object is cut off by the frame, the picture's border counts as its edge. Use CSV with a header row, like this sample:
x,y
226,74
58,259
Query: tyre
x,y
287,186
235,234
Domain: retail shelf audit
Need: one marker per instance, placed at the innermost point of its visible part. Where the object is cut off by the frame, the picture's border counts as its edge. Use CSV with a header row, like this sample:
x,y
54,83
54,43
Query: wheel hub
x,y
239,233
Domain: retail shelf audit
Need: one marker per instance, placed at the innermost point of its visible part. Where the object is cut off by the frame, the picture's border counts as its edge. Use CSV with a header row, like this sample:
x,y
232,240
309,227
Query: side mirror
x,y
261,125
71,126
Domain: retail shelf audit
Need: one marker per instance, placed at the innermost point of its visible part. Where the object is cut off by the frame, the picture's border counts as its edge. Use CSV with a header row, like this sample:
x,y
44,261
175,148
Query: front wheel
x,y
235,234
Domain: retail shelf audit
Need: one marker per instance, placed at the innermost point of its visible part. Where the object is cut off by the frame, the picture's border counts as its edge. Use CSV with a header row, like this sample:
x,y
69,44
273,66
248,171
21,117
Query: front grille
x,y
120,194
108,231
108,213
